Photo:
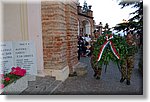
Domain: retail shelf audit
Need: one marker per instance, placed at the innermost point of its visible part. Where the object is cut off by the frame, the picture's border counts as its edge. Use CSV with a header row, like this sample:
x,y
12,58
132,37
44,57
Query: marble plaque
x,y
19,53
25,56
6,57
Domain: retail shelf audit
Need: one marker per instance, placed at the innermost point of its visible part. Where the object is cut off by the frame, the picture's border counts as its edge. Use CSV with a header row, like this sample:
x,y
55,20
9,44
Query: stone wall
x,y
59,31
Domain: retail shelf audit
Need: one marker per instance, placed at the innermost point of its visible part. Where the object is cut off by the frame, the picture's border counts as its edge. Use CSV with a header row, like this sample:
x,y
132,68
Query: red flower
x,y
18,68
1,86
18,71
12,68
7,79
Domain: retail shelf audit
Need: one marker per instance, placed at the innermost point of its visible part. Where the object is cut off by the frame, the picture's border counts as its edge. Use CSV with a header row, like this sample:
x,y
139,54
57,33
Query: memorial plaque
x,y
25,56
21,54
6,57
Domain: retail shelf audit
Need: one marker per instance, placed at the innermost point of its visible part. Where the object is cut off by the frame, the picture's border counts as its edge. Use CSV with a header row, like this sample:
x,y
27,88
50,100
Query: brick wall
x,y
72,32
59,31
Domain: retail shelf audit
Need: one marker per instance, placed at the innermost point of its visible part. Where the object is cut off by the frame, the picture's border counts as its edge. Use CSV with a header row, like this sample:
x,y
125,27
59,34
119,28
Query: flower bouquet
x,y
14,75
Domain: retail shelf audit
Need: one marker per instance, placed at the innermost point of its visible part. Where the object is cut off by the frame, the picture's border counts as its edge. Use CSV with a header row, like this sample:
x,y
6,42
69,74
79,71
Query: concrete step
x,y
40,80
81,69
41,86
49,90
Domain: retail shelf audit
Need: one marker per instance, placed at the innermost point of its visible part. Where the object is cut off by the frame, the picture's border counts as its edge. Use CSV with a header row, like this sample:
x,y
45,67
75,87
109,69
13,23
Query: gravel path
x,y
108,84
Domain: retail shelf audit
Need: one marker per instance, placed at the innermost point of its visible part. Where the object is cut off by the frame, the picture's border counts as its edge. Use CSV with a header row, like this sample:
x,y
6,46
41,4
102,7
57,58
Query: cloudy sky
x,y
108,11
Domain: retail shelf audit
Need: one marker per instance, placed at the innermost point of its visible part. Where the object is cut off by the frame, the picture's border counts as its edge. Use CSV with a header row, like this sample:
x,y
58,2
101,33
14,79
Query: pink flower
x,y
18,68
7,79
2,86
12,68
18,71
21,72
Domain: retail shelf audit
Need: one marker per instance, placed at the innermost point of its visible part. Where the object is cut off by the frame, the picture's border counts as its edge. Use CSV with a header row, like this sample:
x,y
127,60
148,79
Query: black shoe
x,y
122,80
128,82
97,77
73,74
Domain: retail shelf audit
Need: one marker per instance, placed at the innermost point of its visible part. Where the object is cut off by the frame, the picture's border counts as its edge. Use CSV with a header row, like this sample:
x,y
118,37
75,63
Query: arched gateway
x,y
85,18
86,27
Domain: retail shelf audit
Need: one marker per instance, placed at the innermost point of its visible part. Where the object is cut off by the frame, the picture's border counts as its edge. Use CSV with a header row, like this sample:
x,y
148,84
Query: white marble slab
x,y
19,53
6,57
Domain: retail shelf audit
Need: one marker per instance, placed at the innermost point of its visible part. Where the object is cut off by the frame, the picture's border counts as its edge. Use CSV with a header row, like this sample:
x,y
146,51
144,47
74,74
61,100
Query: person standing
x,y
97,69
127,64
87,39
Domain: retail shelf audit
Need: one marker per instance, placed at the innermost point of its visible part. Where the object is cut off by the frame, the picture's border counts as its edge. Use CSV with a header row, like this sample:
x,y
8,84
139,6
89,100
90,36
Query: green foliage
x,y
12,77
136,22
119,43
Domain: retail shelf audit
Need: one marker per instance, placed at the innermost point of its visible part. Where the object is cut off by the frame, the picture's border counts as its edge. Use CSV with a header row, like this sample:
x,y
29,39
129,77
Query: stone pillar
x,y
100,28
79,9
15,27
35,31
90,13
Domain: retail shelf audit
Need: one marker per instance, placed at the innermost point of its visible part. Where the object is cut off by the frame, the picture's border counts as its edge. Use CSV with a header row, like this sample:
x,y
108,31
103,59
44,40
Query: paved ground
x,y
108,84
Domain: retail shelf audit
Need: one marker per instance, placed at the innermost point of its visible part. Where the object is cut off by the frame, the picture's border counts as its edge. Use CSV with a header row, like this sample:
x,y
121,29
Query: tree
x,y
107,29
136,22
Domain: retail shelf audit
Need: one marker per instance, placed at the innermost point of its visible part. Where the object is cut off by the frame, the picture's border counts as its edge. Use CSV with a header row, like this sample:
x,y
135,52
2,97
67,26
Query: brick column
x,y
59,30
72,32
54,34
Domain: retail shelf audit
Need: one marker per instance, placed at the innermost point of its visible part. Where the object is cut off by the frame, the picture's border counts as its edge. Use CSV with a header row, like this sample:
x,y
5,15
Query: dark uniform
x,y
127,64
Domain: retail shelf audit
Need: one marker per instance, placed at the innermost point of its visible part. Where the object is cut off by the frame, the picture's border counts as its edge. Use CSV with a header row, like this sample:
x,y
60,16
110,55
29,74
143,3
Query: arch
x,y
86,25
